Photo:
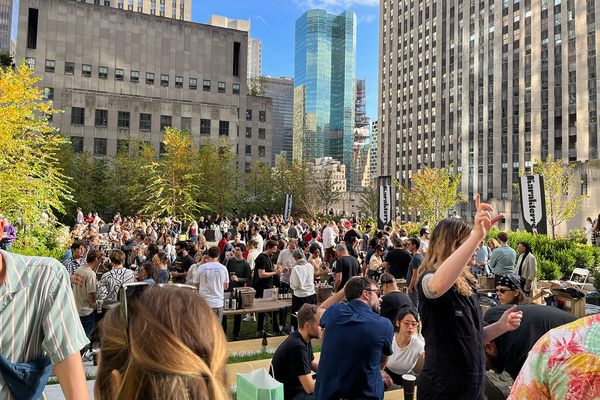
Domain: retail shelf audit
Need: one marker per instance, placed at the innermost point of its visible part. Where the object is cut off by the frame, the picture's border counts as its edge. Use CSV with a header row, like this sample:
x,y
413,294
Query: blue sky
x,y
272,21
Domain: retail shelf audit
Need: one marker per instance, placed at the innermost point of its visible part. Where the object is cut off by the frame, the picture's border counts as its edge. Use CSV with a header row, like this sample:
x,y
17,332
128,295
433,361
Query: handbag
x,y
258,385
26,381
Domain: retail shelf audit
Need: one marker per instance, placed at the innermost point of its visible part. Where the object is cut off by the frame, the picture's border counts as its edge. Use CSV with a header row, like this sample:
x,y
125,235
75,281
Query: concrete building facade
x,y
487,88
328,167
6,17
177,9
324,71
123,75
254,45
281,91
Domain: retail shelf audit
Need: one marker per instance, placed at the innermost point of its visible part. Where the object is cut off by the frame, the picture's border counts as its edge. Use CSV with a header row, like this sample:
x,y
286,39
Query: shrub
x,y
548,270
566,262
42,241
577,236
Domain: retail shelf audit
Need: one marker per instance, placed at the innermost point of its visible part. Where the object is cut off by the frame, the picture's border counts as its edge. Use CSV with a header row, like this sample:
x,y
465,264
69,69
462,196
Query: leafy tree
x,y
327,192
290,177
432,192
172,189
369,201
256,86
218,177
32,181
563,200
259,191
6,60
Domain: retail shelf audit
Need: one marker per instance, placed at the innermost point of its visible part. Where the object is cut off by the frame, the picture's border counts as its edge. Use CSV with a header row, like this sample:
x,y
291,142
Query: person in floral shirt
x,y
564,364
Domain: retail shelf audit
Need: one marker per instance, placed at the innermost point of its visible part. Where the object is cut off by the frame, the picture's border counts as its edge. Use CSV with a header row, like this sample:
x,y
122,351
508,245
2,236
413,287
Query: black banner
x,y
533,204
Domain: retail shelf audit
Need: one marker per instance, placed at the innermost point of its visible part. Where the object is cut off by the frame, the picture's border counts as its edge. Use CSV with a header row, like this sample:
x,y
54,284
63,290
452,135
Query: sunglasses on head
x,y
133,290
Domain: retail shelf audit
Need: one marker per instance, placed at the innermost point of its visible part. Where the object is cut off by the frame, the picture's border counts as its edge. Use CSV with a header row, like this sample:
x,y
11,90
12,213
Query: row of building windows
x,y
145,122
134,76
140,7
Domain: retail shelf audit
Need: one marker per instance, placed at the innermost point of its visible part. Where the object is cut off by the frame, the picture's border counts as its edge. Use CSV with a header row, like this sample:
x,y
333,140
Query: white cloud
x,y
261,19
367,19
335,5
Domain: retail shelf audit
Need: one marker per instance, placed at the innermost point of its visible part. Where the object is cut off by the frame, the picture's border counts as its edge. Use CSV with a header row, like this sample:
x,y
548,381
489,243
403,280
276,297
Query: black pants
x,y
298,302
237,323
260,322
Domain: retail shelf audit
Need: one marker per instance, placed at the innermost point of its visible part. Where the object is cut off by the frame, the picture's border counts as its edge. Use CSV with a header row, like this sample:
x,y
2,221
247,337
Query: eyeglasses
x,y
133,290
503,290
375,291
387,282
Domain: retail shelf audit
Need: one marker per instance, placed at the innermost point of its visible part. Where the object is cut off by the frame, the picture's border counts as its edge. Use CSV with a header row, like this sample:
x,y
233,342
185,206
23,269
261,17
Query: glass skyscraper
x,y
325,58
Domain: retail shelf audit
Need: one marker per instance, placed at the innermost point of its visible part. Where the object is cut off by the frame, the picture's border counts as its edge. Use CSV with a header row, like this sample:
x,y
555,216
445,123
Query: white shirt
x,y
328,237
403,360
212,277
260,242
79,217
252,257
285,258
302,279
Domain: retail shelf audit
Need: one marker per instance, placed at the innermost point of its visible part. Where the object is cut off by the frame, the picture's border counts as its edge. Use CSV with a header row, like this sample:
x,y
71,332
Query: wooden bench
x,y
253,345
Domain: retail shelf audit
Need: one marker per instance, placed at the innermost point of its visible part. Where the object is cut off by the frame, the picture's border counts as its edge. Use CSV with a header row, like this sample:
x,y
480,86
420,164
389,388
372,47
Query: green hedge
x,y
557,257
42,241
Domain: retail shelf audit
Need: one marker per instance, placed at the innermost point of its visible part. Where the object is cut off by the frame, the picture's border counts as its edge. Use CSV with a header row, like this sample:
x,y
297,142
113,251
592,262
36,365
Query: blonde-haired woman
x,y
162,343
450,312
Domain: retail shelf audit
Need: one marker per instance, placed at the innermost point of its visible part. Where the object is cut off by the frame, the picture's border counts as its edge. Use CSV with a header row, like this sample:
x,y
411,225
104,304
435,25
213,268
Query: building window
x,y
123,119
206,85
223,128
101,118
248,150
248,115
145,122
30,61
261,151
222,87
236,88
77,142
179,82
77,115
261,133
118,74
165,120
149,78
49,93
103,72
50,65
134,76
69,68
99,146
248,132
164,80
236,58
186,124
86,70
32,28
205,126
193,83
262,116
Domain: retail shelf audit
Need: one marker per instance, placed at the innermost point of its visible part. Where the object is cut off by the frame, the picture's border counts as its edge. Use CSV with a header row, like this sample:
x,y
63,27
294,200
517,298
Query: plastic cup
x,y
408,384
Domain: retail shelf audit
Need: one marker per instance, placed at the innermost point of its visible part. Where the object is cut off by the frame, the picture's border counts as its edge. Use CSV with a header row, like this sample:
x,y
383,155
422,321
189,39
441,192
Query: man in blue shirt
x,y
356,344
502,261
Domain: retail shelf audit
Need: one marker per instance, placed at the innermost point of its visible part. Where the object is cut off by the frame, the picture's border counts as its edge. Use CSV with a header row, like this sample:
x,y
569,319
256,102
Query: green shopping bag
x,y
258,385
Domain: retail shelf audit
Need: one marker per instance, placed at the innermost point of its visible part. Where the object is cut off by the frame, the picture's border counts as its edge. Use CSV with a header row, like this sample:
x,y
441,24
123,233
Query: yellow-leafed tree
x,y
432,193
31,180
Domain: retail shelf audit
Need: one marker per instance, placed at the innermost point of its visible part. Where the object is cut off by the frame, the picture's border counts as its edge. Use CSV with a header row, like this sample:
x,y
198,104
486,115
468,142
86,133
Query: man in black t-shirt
x,y
393,299
509,351
397,260
182,263
240,274
263,278
346,266
294,362
350,237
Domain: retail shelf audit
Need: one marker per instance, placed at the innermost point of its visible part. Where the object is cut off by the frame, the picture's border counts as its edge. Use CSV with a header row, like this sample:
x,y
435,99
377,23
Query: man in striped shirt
x,y
38,317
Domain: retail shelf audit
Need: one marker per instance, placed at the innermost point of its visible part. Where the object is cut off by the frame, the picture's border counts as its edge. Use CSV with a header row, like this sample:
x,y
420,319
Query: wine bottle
x,y
264,343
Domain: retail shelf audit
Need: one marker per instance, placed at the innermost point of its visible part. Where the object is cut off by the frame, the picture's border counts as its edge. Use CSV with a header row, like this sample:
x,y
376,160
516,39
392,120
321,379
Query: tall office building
x,y
254,45
281,91
324,87
178,9
114,84
488,87
6,8
373,166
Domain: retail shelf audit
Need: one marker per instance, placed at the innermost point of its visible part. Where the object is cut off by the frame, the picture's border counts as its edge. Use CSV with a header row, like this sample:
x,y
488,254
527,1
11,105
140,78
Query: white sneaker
x,y
249,317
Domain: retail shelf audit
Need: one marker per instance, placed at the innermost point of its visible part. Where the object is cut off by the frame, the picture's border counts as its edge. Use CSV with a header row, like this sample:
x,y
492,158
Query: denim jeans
x,y
89,323
219,313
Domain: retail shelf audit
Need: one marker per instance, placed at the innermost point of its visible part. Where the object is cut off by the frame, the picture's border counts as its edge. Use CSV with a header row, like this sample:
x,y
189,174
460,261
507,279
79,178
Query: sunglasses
x,y
503,290
133,290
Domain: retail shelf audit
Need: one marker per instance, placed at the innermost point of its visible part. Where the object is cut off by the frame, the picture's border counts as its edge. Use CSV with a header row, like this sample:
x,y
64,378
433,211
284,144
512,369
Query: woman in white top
x,y
302,282
408,346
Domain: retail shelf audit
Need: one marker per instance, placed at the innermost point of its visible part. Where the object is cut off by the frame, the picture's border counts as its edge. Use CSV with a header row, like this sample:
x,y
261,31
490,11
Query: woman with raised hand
x,y
161,343
450,312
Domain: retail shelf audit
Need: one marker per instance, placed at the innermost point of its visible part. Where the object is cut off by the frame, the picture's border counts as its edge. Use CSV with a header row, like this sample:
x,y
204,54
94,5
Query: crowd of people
x,y
150,295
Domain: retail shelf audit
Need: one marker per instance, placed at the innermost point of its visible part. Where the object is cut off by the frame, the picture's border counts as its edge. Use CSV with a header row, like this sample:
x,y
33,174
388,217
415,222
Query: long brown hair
x,y
444,240
176,350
